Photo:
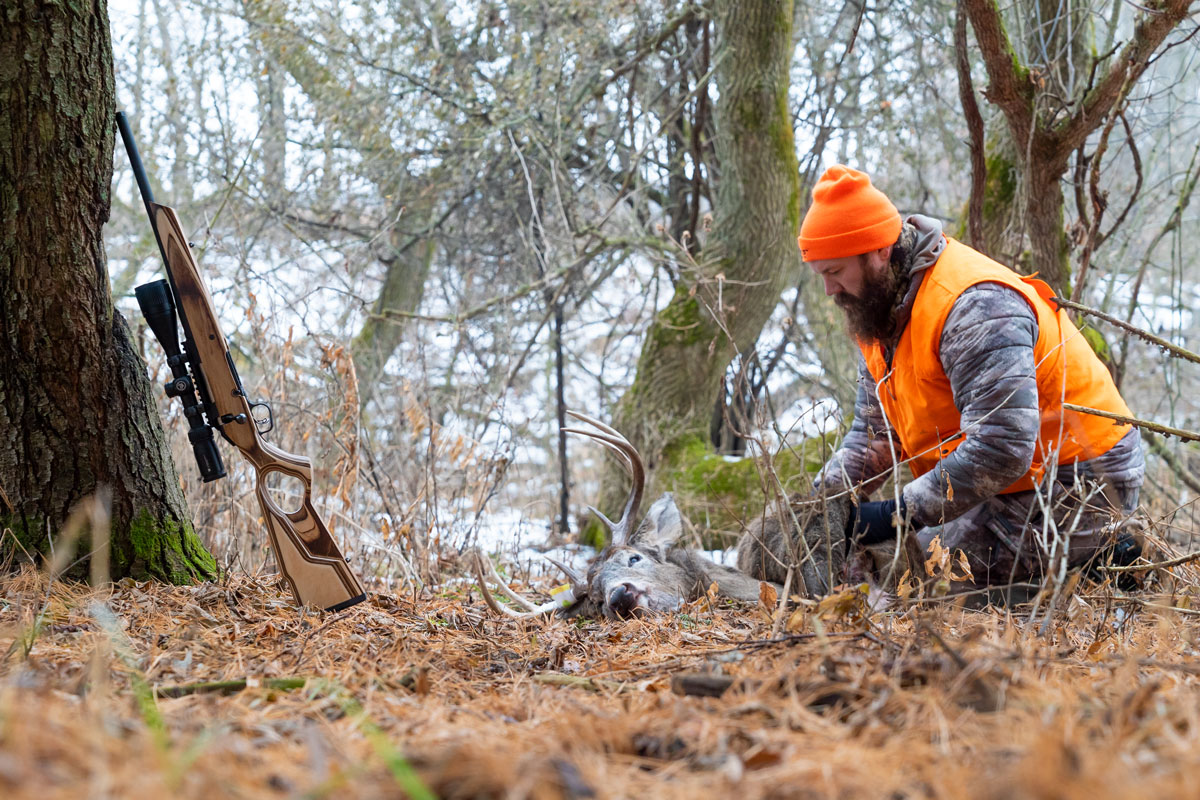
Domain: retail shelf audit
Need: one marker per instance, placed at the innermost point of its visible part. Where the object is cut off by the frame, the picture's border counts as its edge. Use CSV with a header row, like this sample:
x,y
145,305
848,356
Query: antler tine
x,y
613,438
637,470
531,610
597,424
632,462
618,446
611,525
579,583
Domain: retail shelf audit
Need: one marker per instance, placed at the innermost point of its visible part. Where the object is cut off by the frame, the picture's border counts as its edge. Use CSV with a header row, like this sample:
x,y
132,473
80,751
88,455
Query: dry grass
x,y
936,701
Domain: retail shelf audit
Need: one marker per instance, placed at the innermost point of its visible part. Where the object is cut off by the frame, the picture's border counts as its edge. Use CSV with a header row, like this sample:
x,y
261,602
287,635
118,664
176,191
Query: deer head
x,y
642,570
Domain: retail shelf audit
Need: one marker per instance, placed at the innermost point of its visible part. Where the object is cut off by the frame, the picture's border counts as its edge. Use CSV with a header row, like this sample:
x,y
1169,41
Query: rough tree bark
x,y
1023,190
751,256
76,410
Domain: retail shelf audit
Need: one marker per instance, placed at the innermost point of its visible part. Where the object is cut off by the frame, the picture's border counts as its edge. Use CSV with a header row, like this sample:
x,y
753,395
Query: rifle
x,y
206,381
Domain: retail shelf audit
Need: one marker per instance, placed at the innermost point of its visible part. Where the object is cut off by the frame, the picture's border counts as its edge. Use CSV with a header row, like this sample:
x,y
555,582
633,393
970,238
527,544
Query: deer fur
x,y
808,535
646,570
651,572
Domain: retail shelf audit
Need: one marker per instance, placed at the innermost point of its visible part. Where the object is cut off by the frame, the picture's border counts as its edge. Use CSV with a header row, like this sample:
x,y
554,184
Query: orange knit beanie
x,y
848,216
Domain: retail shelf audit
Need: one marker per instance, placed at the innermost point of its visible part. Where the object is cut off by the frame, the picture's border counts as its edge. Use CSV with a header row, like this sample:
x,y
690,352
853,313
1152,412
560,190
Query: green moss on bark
x,y
1000,188
680,323
29,535
163,549
148,548
719,494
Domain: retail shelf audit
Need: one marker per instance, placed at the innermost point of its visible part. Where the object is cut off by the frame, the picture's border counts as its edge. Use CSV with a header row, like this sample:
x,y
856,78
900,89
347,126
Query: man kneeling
x,y
964,372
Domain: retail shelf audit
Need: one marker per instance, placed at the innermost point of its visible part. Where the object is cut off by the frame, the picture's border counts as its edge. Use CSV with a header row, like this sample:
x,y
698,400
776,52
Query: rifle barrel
x,y
135,161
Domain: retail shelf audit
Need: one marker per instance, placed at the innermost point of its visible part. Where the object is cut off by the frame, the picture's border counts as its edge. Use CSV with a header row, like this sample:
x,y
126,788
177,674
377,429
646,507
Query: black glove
x,y
871,523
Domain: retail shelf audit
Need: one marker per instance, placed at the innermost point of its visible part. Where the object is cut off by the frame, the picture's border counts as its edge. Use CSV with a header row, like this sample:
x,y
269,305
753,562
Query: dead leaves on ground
x,y
228,690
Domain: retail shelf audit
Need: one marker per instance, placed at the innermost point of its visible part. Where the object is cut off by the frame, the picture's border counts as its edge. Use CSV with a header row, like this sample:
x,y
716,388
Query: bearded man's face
x,y
869,316
866,289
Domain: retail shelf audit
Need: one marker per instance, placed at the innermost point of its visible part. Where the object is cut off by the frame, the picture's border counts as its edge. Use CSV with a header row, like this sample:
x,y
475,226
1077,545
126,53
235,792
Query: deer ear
x,y
662,527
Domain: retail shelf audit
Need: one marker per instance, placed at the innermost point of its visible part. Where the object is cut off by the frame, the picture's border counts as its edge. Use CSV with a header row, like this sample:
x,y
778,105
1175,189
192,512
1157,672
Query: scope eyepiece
x,y
208,458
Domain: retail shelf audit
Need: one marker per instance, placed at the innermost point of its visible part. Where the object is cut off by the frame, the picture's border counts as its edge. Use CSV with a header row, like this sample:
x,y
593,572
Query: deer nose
x,y
623,599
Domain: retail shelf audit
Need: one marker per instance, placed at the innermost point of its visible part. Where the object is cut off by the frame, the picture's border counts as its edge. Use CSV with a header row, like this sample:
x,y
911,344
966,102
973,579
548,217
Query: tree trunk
x,y
1050,103
76,410
720,308
382,331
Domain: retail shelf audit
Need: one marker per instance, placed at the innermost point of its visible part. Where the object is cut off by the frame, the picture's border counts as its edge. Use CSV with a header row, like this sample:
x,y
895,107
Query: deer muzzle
x,y
623,600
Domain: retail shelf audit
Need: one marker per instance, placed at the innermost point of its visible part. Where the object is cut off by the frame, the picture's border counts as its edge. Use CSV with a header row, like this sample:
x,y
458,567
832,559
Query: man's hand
x,y
872,523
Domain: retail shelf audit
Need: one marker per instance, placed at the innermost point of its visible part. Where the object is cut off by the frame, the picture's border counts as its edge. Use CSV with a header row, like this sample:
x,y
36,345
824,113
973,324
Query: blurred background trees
x,y
431,227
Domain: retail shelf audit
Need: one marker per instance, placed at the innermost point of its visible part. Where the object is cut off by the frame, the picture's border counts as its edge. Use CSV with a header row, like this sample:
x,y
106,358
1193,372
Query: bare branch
x,y
966,93
1174,350
1010,86
1190,436
1159,19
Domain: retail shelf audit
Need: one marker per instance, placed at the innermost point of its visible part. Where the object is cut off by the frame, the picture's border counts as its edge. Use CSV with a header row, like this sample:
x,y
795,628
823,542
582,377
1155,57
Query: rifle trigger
x,y
264,424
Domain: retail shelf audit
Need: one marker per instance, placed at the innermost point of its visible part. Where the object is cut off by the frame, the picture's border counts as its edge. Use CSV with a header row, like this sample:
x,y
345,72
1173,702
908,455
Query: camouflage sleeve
x,y
864,454
986,351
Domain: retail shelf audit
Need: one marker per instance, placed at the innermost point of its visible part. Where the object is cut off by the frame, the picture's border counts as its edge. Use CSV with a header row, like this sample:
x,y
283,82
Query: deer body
x,y
645,570
651,573
808,539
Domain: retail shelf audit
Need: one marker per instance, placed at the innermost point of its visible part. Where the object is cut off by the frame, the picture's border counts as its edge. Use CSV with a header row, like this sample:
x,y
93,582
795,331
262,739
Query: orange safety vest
x,y
916,393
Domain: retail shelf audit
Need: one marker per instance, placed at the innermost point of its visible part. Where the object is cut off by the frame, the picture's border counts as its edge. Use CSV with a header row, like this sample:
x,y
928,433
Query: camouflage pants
x,y
1011,538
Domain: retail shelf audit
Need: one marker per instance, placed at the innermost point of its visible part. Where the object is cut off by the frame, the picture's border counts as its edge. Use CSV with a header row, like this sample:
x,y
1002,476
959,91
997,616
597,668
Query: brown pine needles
x,y
214,691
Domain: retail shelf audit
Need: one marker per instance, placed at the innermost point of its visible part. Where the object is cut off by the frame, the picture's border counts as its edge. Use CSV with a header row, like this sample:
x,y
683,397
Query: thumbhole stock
x,y
286,491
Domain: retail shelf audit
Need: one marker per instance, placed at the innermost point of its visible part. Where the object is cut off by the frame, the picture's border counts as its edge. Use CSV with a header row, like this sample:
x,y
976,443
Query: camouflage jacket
x,y
987,352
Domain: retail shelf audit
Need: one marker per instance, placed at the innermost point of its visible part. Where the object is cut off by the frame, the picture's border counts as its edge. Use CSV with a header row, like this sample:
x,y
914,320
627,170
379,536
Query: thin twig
x,y
1190,436
1146,335
589,684
1174,562
966,93
782,605
282,684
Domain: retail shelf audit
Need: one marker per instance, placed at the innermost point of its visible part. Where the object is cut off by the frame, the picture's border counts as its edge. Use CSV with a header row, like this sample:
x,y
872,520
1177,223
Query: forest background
x,y
432,228
429,230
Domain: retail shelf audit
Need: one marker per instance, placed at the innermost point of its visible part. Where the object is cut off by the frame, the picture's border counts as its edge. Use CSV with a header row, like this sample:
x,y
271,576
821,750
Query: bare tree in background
x,y
723,299
432,228
1051,101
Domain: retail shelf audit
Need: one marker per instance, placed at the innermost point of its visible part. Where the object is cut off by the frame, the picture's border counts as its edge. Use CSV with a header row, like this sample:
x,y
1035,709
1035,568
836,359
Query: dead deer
x,y
644,570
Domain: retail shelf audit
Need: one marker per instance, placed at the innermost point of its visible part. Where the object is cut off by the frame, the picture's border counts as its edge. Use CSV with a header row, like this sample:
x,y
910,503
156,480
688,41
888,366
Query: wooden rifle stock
x,y
207,382
308,556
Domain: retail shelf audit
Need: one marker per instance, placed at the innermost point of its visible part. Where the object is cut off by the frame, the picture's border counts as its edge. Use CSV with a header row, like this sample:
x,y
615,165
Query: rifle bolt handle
x,y
240,419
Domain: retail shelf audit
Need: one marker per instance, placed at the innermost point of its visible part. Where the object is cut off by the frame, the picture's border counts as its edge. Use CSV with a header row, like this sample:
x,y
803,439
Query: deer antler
x,y
631,460
579,584
531,609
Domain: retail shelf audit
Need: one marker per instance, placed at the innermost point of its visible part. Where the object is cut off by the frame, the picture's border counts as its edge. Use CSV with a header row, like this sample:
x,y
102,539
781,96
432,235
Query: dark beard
x,y
872,318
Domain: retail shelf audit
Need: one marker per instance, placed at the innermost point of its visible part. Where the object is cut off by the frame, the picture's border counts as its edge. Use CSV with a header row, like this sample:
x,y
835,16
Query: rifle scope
x,y
158,307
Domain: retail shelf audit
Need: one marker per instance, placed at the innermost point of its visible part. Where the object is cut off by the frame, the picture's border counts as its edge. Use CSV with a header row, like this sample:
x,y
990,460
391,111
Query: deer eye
x,y
633,559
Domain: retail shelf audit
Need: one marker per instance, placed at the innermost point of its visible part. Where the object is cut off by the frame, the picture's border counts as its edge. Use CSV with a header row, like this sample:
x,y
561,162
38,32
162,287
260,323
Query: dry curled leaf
x,y
767,596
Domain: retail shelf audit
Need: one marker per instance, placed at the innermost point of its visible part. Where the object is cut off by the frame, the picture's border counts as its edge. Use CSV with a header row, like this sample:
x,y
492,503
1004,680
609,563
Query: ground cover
x,y
226,690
